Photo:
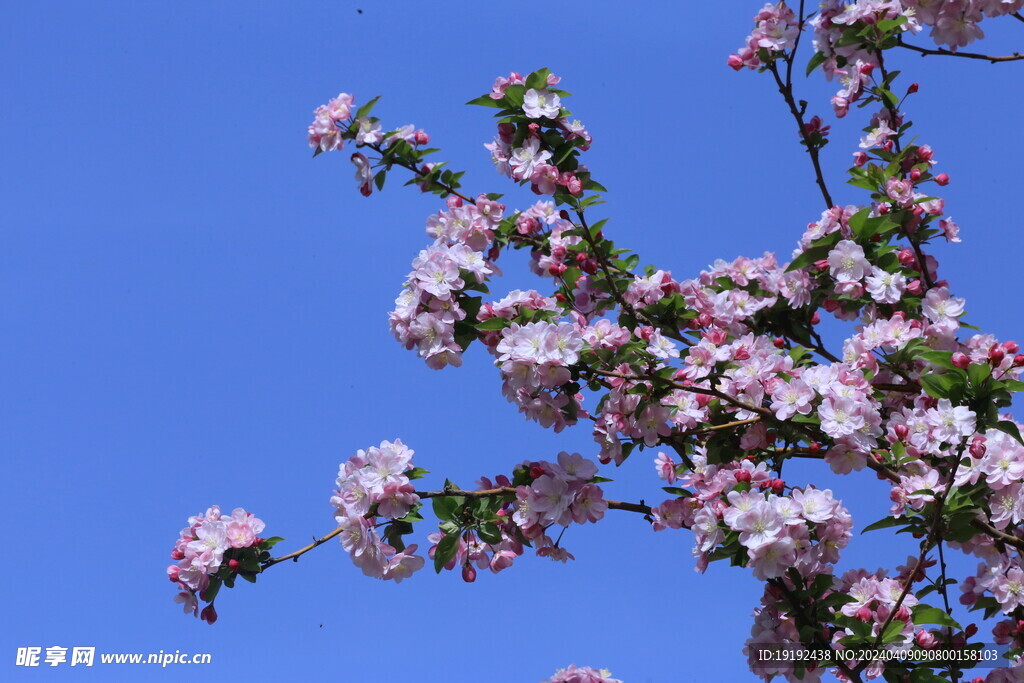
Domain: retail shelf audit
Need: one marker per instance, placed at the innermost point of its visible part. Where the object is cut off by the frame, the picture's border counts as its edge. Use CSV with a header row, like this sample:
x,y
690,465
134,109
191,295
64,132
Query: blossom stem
x,y
994,59
639,508
787,93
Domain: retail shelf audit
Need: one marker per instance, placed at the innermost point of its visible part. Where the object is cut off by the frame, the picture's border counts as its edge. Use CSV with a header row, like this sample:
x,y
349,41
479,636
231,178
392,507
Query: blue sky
x,y
194,312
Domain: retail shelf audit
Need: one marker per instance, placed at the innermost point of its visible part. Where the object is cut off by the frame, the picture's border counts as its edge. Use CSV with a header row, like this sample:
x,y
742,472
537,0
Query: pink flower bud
x,y
821,264
421,137
177,555
915,174
590,266
705,319
860,158
778,486
903,614
557,269
996,355
743,476
914,287
172,573
978,447
1018,360
883,209
1011,347
233,565
961,360
925,639
779,342
942,179
468,573
865,614
735,62
867,68
901,431
209,614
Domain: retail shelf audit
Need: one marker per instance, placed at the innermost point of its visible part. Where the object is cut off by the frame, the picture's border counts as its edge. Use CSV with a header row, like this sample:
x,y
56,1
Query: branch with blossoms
x,y
726,372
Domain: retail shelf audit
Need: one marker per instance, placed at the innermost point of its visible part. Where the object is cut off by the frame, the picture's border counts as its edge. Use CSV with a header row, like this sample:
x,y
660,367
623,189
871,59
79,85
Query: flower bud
x,y
978,447
816,318
961,360
971,630
913,88
233,565
865,614
177,555
536,471
942,179
925,639
743,476
915,174
914,287
1018,360
1011,347
860,158
901,431
468,573
209,614
778,486
903,614
996,355
779,343
557,269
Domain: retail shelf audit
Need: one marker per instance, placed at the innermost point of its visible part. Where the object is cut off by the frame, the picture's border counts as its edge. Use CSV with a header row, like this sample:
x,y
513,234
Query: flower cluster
x,y
429,310
375,483
742,508
212,550
583,674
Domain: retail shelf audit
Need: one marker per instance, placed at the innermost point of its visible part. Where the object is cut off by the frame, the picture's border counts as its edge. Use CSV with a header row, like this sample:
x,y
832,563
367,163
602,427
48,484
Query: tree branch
x,y
1016,56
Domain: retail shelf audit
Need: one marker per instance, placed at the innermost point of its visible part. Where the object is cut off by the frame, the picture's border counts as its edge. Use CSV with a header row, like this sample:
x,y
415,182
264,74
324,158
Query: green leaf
x,y
211,591
269,543
1013,385
926,614
978,373
379,179
942,386
893,631
366,108
810,255
940,358
1009,428
538,79
514,95
884,523
446,549
486,101
817,60
444,507
489,533
493,324
416,473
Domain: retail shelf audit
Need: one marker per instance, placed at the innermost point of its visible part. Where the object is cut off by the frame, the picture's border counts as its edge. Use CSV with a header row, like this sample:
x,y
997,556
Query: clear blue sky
x,y
193,312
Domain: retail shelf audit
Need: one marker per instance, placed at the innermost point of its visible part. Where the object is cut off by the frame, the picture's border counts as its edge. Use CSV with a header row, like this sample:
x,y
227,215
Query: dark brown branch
x,y
993,59
485,493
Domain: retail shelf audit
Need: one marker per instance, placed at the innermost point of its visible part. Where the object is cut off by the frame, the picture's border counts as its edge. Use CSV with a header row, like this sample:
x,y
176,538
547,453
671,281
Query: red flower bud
x,y
865,614
778,486
743,476
961,360
209,614
177,555
1018,360
971,630
996,355
915,174
536,471
901,431
816,318
557,269
468,573
942,179
779,343
1011,347
913,88
233,565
